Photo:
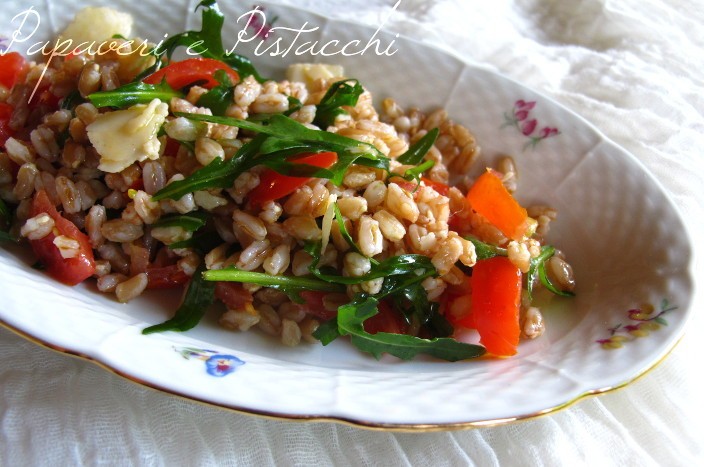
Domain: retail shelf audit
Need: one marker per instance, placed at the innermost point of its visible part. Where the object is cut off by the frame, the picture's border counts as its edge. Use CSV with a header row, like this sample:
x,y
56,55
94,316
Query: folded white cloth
x,y
635,68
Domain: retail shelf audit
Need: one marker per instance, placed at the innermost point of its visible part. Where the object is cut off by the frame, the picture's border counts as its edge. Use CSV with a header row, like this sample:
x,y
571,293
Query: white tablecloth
x,y
635,68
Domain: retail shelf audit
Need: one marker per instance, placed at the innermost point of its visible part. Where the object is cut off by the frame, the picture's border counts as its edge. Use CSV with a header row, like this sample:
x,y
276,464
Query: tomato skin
x,y
387,320
441,188
273,185
233,295
69,271
490,198
314,305
192,70
5,115
12,67
166,277
496,300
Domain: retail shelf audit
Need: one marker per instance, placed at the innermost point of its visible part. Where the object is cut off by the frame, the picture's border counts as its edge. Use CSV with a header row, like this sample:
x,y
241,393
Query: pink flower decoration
x,y
521,115
523,105
547,132
528,127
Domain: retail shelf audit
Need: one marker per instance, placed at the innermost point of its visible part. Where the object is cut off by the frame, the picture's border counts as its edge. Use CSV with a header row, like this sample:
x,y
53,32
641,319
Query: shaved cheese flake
x,y
309,73
327,221
95,24
124,137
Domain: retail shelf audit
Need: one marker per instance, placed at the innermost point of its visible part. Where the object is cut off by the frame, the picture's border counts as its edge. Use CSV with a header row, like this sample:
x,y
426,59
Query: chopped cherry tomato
x,y
172,147
199,71
166,277
12,66
45,98
70,271
441,188
314,305
387,320
5,130
233,295
490,198
496,299
273,185
456,304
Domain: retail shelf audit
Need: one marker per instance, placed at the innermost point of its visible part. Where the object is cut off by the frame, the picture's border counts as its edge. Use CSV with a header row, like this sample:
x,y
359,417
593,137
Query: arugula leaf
x,y
340,93
199,296
414,173
283,283
190,222
343,230
71,100
133,93
217,174
547,283
220,97
486,250
287,137
417,151
207,43
402,265
350,319
201,242
537,270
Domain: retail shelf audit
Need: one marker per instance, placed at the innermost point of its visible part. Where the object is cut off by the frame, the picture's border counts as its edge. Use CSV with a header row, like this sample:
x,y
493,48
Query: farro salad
x,y
296,205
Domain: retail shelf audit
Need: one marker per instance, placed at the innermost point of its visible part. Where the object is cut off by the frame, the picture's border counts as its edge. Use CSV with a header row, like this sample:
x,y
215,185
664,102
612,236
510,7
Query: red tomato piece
x,y
199,71
233,295
441,188
490,198
387,320
5,130
496,300
273,185
166,277
70,271
12,67
314,305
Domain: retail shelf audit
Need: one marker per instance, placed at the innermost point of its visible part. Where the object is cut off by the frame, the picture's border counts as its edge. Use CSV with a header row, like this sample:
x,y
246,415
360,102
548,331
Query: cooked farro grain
x,y
290,333
19,153
131,288
400,203
239,320
37,227
532,324
26,176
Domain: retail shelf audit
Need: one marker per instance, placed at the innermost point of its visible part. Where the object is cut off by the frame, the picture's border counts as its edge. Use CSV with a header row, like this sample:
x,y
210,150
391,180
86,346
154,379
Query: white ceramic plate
x,y
620,232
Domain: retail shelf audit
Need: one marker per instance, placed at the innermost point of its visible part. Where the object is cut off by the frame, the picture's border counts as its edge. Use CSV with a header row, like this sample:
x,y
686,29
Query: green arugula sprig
x,y
133,93
277,139
207,43
218,174
349,322
417,151
291,285
190,222
537,268
339,94
199,296
486,250
220,97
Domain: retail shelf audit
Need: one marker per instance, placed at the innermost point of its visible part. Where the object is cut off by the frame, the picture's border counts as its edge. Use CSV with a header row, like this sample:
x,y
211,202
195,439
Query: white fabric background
x,y
635,68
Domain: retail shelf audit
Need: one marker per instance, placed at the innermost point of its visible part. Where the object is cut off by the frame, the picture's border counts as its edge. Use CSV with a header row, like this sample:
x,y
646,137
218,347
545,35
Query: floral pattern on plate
x,y
216,364
520,118
644,320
